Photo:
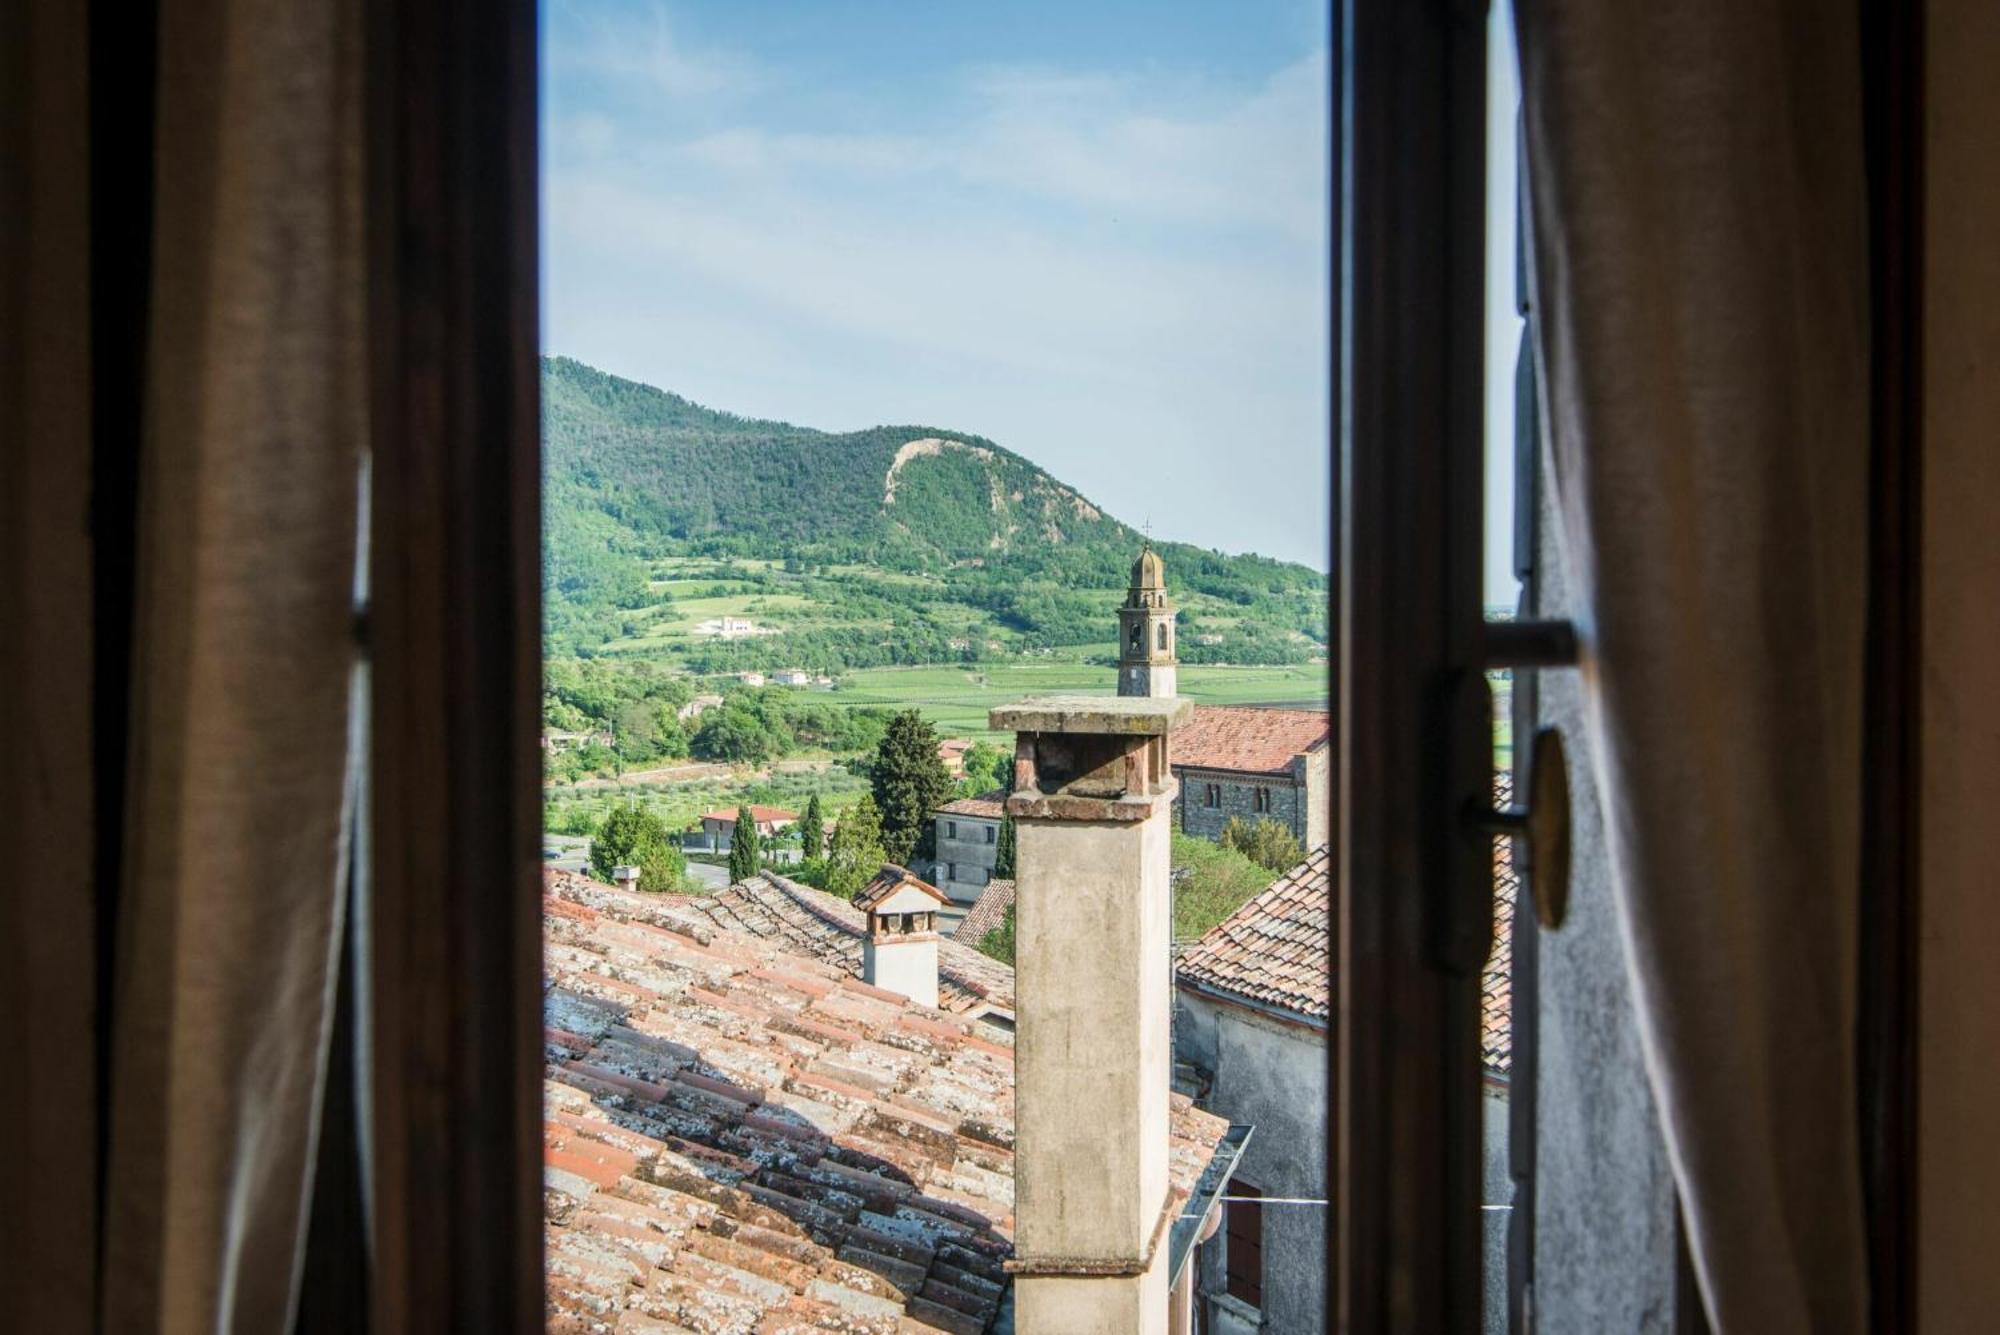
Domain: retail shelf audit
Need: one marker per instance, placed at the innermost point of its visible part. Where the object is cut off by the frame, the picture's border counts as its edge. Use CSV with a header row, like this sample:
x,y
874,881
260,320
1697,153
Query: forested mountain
x,y
898,544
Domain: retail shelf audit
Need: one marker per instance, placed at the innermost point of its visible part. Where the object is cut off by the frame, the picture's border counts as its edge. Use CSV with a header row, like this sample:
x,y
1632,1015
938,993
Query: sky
x,y
1094,233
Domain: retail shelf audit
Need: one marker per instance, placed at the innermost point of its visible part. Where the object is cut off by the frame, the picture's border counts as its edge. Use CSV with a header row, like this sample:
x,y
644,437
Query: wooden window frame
x,y
1409,97
451,938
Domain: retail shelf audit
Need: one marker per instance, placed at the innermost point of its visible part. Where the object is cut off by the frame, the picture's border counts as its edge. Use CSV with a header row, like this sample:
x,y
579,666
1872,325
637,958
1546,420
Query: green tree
x,y
855,853
634,837
812,829
1267,843
999,943
983,764
1003,852
743,846
909,783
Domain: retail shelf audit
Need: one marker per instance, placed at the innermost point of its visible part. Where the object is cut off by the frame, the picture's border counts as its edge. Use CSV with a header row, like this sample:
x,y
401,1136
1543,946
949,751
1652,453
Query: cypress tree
x,y
1003,853
811,826
743,846
910,782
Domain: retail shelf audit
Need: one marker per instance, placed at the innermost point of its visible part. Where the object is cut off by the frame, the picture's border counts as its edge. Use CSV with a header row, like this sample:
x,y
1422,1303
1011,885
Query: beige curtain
x,y
168,1189
1700,273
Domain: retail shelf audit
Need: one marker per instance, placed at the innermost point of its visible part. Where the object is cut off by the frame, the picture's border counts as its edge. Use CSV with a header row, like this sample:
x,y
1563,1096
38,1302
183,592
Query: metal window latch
x,y
1541,827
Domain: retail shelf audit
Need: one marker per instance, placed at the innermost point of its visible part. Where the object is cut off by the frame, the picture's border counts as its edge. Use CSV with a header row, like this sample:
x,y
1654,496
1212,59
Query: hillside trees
x,y
909,783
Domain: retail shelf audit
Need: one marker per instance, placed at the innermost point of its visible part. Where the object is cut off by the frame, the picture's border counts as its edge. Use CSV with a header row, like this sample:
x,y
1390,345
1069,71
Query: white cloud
x,y
640,50
1122,276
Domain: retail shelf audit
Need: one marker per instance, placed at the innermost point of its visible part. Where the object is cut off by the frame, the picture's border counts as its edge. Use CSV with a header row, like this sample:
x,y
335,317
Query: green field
x,y
957,699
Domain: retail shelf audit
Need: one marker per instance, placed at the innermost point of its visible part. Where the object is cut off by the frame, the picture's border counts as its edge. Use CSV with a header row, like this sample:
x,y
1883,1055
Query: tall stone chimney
x,y
1147,665
1093,1054
900,952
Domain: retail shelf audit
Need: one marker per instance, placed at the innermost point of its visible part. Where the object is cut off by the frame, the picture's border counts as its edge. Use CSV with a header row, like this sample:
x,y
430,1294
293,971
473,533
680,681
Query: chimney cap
x,y
625,874
1118,715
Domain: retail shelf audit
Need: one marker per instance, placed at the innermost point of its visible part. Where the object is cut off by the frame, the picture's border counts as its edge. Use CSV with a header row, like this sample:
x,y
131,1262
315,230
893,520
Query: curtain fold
x,y
254,421
1700,271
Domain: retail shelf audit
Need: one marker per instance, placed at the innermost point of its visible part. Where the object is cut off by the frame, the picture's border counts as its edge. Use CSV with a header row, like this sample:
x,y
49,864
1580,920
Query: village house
x,y
555,739
694,708
1254,1001
967,838
1255,764
952,752
718,828
792,677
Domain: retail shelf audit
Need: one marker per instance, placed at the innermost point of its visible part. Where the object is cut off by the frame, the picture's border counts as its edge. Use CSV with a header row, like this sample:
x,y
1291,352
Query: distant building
x,y
968,843
1259,764
1146,662
555,739
751,678
719,827
694,708
792,677
952,752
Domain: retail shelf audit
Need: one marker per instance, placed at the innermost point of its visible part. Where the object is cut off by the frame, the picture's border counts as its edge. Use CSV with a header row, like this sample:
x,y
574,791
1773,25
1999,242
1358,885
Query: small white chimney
x,y
1093,1051
899,954
625,878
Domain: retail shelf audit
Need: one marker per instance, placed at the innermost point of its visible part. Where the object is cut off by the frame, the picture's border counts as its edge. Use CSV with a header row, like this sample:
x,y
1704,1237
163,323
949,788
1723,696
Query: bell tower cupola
x,y
1146,662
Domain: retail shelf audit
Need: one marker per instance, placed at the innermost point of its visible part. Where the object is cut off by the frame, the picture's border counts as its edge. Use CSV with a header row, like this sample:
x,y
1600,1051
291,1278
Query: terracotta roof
x,y
1496,981
1272,952
888,881
812,922
992,805
1250,740
757,813
988,912
738,1139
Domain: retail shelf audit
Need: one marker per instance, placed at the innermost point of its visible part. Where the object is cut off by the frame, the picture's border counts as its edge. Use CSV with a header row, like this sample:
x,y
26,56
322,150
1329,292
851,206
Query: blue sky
x,y
1095,233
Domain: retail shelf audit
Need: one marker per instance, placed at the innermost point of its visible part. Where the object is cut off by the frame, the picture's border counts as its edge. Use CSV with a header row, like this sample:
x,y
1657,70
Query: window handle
x,y
1530,644
1541,828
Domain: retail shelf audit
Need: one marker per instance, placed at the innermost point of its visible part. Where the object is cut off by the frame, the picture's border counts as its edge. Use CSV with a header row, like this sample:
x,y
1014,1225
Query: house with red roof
x,y
1253,1005
718,828
1257,764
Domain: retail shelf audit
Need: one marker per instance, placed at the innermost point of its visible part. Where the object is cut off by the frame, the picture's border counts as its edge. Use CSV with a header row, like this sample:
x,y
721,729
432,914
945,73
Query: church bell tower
x,y
1146,660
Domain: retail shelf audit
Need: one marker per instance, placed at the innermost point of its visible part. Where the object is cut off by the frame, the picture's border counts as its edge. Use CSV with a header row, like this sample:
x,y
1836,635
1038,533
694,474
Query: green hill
x,y
894,545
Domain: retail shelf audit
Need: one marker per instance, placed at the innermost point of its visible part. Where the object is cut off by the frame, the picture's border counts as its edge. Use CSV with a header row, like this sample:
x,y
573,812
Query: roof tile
x,y
728,1151
1248,739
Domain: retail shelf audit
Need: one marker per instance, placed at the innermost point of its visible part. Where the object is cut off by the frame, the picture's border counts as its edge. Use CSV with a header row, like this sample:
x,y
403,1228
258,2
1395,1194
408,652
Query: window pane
x,y
1091,250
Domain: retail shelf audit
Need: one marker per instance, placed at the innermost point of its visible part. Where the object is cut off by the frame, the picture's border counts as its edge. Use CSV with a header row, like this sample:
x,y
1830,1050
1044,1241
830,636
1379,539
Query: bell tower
x,y
1146,659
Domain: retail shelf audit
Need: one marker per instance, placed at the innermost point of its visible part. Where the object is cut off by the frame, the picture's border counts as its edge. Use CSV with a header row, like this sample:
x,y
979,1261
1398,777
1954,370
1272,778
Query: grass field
x,y
957,699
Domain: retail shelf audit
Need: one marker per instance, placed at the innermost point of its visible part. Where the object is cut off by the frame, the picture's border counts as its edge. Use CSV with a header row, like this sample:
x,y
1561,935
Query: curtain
x,y
1699,265
189,921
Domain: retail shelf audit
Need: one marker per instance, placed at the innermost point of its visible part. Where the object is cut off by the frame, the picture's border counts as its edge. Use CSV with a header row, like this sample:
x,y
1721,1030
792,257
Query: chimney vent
x,y
899,954
1093,1058
625,878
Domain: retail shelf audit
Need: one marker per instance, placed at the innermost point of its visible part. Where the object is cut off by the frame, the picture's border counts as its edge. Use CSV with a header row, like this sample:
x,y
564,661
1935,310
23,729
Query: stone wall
x,y
1289,802
969,853
1271,1075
